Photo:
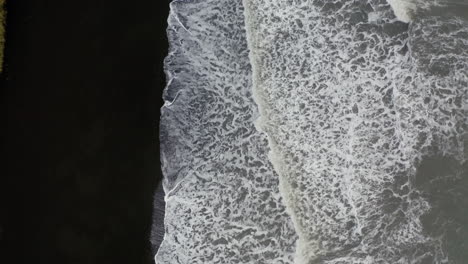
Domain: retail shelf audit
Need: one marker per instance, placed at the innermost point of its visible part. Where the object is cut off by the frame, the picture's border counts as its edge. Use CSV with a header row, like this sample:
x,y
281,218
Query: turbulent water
x,y
222,199
316,131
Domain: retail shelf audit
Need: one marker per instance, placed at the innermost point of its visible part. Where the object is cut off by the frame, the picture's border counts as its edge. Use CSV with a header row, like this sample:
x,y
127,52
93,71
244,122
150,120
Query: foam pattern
x,y
439,53
222,199
352,100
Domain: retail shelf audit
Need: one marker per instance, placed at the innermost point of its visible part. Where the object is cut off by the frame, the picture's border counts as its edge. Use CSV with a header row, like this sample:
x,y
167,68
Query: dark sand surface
x,y
81,92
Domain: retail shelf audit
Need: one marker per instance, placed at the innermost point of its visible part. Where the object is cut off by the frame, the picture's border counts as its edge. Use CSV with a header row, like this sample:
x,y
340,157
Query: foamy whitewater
x,y
222,199
357,99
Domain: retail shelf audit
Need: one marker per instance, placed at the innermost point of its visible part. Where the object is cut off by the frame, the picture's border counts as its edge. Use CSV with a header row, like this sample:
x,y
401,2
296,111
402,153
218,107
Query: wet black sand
x,y
81,92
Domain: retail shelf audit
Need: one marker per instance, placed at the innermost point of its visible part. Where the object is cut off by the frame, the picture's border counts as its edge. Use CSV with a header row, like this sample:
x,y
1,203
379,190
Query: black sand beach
x,y
81,92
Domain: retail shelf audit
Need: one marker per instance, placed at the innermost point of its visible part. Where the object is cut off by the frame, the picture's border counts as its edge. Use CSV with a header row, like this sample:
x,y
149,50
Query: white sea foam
x,y
350,106
350,99
222,199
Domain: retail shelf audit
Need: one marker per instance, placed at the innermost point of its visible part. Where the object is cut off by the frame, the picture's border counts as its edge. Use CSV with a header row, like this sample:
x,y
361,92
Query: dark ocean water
x,y
442,178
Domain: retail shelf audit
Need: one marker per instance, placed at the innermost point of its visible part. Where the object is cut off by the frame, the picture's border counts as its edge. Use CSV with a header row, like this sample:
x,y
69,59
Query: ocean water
x,y
313,131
